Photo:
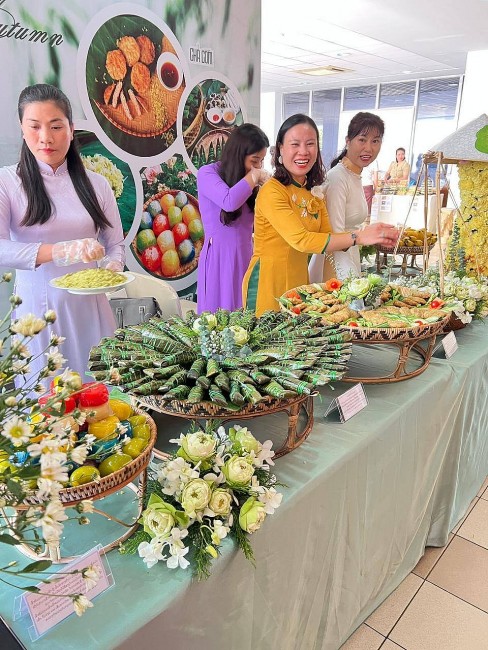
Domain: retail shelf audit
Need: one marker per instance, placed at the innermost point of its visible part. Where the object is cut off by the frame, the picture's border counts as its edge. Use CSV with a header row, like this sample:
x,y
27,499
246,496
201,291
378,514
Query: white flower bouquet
x,y
35,449
217,484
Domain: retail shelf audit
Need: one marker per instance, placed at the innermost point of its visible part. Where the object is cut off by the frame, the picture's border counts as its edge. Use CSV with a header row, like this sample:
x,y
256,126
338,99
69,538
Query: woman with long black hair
x,y
227,193
54,214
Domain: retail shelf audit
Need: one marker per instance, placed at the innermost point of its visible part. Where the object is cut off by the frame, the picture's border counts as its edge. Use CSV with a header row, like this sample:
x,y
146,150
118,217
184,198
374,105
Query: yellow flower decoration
x,y
473,186
313,207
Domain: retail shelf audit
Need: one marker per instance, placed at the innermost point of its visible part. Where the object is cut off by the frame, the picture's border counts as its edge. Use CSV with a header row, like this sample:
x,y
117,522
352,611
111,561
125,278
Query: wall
x,y
217,45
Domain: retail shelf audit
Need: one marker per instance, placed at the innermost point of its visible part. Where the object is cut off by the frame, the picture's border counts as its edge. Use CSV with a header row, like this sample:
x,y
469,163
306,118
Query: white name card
x,y
53,604
349,403
450,345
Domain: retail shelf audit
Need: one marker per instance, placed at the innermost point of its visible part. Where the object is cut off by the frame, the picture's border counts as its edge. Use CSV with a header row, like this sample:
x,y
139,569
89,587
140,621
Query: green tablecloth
x,y
363,500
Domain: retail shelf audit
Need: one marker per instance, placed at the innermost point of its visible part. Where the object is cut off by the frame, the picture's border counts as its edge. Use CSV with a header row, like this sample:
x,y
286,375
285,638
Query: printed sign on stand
x,y
54,601
349,403
449,345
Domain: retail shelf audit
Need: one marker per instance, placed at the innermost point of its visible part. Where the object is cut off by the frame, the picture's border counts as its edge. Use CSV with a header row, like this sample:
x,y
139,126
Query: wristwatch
x,y
354,237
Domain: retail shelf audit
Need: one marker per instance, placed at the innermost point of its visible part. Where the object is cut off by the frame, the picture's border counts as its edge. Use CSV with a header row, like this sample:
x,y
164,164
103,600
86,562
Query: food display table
x,y
362,500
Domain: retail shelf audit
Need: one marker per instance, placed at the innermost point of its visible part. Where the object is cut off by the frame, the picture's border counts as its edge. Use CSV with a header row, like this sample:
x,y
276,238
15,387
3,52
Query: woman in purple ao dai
x,y
226,194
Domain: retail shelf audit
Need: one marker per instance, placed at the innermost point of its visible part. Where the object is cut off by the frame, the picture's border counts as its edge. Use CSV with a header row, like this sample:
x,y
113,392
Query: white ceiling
x,y
379,40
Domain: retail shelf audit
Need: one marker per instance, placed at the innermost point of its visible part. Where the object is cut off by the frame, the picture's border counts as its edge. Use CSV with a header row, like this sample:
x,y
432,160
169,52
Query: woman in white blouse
x,y
344,195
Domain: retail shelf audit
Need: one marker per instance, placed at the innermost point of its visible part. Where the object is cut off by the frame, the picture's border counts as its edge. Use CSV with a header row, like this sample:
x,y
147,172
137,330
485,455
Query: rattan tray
x,y
386,334
97,490
407,340
108,484
267,406
404,250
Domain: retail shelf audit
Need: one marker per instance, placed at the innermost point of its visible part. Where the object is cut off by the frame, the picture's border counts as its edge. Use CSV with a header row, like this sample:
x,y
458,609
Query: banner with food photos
x,y
156,87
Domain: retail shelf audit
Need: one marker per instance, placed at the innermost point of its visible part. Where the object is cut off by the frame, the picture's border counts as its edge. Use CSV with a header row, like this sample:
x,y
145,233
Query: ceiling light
x,y
324,70
407,71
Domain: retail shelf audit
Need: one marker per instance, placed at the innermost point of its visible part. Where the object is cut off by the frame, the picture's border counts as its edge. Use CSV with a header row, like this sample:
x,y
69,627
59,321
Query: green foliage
x,y
243,542
129,547
174,176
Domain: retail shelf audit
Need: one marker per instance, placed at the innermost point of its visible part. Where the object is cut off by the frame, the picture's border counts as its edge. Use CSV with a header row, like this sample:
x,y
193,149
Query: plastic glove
x,y
259,176
77,250
111,265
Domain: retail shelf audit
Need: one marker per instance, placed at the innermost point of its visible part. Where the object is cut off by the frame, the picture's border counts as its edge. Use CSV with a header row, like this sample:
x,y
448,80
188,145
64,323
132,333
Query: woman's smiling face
x,y
299,150
364,148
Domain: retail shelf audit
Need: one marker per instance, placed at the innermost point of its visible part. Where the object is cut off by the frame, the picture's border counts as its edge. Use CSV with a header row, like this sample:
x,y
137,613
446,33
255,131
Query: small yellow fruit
x,y
134,447
135,420
142,431
113,463
84,474
121,409
105,429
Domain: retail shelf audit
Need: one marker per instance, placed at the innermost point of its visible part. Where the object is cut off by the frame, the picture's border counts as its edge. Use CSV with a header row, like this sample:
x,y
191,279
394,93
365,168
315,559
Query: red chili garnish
x,y
353,324
333,284
293,295
437,303
296,310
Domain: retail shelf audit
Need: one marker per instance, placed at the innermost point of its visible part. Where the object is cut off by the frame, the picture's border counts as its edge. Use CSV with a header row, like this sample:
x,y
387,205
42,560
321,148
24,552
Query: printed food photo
x,y
135,81
210,112
170,235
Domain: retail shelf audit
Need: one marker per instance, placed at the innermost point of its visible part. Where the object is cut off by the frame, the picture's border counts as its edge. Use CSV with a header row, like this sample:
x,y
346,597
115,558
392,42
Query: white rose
x,y
211,322
198,446
358,287
157,522
238,470
220,502
240,334
195,496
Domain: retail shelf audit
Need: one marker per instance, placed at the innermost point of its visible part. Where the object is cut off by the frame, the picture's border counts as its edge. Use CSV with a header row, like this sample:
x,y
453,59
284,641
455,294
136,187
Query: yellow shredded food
x,y
89,279
102,165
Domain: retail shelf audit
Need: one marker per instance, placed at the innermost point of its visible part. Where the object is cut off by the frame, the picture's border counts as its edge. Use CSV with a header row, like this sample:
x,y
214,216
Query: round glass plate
x,y
93,291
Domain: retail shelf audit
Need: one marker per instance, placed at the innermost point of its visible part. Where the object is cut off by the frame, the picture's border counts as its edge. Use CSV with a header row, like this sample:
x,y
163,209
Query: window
x,y
438,97
295,103
397,94
359,98
326,110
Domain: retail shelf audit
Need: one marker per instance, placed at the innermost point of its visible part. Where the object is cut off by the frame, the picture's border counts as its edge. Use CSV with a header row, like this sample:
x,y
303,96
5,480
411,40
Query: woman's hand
x,y
383,234
257,176
111,265
86,250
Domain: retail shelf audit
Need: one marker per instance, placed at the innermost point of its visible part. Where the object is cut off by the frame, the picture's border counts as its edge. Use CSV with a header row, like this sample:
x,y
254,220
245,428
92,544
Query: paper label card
x,y
46,611
450,345
386,203
349,403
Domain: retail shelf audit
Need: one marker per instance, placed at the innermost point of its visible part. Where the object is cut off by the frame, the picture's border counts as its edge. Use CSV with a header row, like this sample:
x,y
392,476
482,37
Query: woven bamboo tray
x,y
97,490
108,484
267,406
404,250
408,341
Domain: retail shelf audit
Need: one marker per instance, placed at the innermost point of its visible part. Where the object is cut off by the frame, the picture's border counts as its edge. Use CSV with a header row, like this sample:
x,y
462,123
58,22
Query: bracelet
x,y
354,237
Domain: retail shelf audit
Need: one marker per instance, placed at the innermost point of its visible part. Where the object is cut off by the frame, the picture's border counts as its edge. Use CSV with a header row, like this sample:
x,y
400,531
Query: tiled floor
x,y
443,603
